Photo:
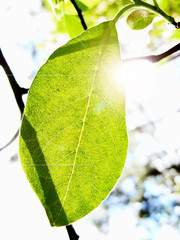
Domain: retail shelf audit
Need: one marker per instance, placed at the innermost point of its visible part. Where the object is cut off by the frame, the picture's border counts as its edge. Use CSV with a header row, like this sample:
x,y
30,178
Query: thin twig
x,y
17,90
156,58
177,25
79,14
71,232
12,140
173,57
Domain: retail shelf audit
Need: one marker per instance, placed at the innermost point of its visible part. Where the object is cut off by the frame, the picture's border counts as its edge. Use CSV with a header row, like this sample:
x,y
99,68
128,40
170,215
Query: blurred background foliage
x,y
95,11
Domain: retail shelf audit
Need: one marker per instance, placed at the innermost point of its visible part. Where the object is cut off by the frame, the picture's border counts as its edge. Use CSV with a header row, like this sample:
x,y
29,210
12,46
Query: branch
x,y
177,24
155,3
12,140
71,232
17,90
173,57
79,14
156,58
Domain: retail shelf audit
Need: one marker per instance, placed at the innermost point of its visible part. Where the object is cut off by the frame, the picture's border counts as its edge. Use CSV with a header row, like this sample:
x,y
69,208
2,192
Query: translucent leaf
x,y
73,25
170,7
56,1
91,3
69,7
140,19
73,138
60,25
81,5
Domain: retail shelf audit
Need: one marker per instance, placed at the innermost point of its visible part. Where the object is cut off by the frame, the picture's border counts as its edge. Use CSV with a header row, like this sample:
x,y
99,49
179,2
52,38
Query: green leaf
x,y
55,1
73,25
73,138
140,19
69,7
91,3
170,7
60,25
81,5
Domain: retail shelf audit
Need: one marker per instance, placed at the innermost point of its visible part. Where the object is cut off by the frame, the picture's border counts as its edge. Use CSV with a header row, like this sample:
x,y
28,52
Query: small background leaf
x,y
73,25
73,139
69,7
140,19
81,5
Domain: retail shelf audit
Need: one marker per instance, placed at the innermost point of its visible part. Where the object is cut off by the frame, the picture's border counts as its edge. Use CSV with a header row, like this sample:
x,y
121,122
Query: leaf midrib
x,y
84,119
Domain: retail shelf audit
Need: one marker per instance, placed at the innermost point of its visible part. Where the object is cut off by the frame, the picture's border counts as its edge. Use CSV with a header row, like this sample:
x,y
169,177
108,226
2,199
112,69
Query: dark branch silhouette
x,y
176,24
156,58
72,234
17,90
79,14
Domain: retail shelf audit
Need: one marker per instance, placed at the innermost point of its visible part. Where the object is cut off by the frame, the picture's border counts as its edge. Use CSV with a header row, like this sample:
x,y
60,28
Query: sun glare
x,y
138,78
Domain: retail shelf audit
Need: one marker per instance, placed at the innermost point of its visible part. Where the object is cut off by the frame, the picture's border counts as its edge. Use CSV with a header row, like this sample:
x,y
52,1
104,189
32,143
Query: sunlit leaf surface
x,y
73,139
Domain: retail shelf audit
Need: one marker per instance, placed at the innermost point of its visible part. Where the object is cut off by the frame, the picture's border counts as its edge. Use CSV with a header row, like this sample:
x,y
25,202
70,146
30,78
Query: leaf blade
x,y
140,19
75,123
